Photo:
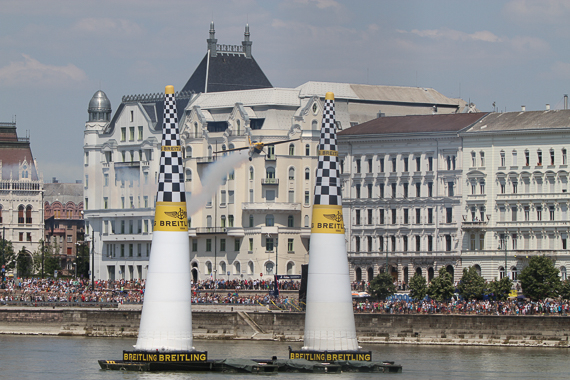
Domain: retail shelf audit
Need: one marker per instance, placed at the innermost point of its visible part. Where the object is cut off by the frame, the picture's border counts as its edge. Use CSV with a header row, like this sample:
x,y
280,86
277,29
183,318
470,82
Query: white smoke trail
x,y
212,180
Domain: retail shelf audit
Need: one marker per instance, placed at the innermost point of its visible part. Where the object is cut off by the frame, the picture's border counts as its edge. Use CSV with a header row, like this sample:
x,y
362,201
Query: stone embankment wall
x,y
288,326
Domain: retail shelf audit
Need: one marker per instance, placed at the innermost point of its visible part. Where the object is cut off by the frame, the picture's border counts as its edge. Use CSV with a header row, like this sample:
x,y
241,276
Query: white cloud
x,y
538,10
32,72
321,4
108,26
455,35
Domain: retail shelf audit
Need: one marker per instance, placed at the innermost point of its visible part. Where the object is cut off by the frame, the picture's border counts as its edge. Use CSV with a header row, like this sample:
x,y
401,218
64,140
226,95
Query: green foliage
x,y
539,280
441,288
565,289
418,287
501,288
382,286
24,264
472,285
50,260
7,249
83,260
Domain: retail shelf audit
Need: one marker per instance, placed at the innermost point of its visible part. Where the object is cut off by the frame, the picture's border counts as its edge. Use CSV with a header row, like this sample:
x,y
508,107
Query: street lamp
x,y
504,242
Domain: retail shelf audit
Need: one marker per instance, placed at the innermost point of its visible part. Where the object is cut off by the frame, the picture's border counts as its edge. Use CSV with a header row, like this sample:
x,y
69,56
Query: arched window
x,y
21,214
238,122
477,269
419,271
222,267
290,267
307,150
370,274
232,146
306,220
430,274
0,214
450,270
314,125
250,267
270,173
251,172
563,275
291,149
237,267
501,273
29,214
269,268
188,152
195,129
188,175
208,267
291,173
269,220
358,273
514,273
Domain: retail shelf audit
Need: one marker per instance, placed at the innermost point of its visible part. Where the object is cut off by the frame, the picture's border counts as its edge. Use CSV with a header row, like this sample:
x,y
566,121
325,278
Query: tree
x,y
441,288
418,287
50,260
501,288
83,260
565,289
25,266
540,280
382,286
8,256
472,284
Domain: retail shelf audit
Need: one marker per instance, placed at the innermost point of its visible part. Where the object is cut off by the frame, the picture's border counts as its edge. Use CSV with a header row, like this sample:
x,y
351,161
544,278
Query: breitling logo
x,y
334,217
180,214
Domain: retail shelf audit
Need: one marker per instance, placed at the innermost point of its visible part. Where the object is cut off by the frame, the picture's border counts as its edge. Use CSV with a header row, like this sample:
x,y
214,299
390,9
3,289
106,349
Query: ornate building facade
x,y
21,192
256,223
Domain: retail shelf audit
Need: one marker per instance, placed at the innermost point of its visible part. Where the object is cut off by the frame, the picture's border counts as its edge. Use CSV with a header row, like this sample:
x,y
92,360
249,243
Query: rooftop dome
x,y
99,103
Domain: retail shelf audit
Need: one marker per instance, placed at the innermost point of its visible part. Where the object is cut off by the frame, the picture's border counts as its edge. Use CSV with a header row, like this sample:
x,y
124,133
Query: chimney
x,y
54,180
565,101
523,108
548,107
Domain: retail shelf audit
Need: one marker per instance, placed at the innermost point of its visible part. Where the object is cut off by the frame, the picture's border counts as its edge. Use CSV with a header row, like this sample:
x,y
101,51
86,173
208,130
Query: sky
x,y
54,55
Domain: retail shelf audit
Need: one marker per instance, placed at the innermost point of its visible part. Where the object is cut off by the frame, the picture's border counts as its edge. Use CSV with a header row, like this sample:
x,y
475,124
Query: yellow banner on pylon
x,y
170,216
327,219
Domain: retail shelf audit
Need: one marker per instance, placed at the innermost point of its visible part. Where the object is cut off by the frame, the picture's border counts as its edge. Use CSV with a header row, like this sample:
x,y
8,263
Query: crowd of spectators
x,y
484,307
74,291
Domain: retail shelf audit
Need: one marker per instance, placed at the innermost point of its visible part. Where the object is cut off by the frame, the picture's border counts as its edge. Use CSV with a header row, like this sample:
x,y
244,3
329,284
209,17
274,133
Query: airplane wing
x,y
232,150
279,142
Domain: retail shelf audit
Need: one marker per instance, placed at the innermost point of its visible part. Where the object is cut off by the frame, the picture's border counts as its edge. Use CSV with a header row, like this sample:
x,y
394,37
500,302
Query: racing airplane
x,y
255,147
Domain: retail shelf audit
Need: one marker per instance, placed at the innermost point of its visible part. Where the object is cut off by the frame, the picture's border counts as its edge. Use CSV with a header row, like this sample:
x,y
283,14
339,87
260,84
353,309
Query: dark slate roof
x,y
227,72
528,120
415,124
63,192
13,151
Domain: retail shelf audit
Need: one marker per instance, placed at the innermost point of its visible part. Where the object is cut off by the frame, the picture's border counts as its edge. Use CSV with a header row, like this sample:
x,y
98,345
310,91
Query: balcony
x,y
399,254
270,157
132,164
270,181
270,206
205,160
211,230
474,225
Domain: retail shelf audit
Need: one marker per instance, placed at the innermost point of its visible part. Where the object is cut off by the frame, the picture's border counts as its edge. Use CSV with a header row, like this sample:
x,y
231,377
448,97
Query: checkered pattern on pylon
x,y
327,187
171,175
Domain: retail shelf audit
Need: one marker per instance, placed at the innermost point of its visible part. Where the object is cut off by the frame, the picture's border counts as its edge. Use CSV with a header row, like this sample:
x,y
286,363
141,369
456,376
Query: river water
x,y
42,357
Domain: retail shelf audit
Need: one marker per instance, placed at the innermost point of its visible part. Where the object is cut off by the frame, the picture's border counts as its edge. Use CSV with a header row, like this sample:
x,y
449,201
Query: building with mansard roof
x,y
21,191
402,187
257,222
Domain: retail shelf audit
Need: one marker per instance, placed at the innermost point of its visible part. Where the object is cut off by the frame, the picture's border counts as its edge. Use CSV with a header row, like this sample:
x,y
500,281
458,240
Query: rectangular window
x,y
269,244
393,216
430,216
222,245
105,203
122,250
405,243
370,165
236,244
513,213
418,215
405,188
430,243
208,245
448,243
394,165
393,190
450,191
539,158
140,134
194,245
381,161
430,164
482,186
551,212
406,216
306,197
381,191
564,159
123,134
369,216
418,189
250,244
526,213
418,243
405,164
369,186
290,245
515,187
482,156
357,189
448,215
358,166
130,250
357,217
418,163
430,189
501,214
538,213
131,133
381,216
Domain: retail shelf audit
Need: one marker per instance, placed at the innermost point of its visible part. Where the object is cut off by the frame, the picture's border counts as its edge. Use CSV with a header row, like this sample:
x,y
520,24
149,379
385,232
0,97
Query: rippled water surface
x,y
37,357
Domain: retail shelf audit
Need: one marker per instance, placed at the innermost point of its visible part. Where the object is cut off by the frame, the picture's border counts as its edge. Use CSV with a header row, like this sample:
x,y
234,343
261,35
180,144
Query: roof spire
x,y
212,41
246,43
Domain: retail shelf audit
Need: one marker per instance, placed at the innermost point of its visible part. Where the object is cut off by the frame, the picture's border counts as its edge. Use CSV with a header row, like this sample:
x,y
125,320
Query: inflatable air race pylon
x,y
166,319
329,318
